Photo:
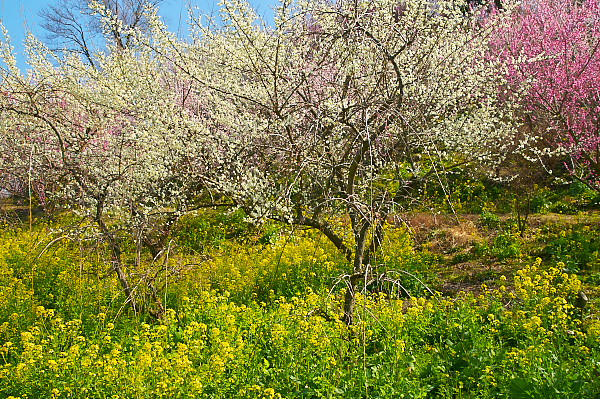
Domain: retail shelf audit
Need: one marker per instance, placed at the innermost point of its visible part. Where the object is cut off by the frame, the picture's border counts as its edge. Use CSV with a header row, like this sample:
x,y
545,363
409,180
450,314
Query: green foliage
x,y
578,249
489,219
464,191
567,199
505,245
209,229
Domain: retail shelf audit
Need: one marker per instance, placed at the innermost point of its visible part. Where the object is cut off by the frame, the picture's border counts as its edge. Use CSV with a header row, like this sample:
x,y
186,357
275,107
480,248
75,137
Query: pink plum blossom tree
x,y
551,51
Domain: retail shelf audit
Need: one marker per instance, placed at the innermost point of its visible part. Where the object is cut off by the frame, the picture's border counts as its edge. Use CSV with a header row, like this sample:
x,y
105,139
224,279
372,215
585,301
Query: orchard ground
x,y
255,312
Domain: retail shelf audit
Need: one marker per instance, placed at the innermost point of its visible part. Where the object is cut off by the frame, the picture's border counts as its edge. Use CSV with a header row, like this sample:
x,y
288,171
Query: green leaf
x,y
520,389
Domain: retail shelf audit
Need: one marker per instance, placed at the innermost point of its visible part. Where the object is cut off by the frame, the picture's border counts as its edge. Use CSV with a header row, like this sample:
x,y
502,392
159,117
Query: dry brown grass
x,y
443,233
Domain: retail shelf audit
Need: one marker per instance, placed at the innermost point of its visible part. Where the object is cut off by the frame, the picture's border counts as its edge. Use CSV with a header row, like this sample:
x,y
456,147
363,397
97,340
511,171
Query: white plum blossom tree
x,y
111,143
342,109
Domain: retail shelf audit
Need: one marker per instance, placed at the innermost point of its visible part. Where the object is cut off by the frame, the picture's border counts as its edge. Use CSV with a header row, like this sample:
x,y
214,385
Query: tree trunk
x,y
116,258
117,265
350,300
359,256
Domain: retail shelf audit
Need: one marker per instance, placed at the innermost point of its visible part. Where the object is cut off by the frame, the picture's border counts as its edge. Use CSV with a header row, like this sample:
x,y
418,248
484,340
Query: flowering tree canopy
x,y
108,142
552,53
340,109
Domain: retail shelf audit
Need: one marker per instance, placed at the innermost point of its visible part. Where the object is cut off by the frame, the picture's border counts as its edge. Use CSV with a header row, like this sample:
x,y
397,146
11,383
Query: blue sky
x,y
20,15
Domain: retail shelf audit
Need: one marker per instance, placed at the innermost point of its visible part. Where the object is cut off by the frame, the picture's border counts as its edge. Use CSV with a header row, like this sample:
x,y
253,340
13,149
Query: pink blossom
x,y
551,49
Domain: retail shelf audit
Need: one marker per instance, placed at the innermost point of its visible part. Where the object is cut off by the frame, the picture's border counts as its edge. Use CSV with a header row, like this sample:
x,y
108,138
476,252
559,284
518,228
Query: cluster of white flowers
x,y
333,108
